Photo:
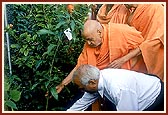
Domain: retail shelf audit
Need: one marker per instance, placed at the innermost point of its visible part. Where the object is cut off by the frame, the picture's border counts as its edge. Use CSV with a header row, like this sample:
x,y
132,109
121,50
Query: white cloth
x,y
128,90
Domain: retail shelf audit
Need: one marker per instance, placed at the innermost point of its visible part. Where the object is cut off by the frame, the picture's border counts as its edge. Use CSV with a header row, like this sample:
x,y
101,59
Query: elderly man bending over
x,y
128,90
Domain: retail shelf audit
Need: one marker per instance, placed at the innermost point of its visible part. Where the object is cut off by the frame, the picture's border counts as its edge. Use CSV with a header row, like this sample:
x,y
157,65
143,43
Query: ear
x,y
98,31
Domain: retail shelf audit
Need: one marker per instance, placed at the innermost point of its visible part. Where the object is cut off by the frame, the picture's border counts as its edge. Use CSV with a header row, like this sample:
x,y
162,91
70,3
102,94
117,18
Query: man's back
x,y
120,83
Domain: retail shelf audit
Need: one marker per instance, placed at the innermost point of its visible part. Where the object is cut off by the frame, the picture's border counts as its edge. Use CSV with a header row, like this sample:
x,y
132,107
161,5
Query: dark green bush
x,y
41,54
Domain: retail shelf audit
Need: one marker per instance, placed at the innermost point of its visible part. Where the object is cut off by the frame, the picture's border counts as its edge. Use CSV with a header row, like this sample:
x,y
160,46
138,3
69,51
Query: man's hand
x,y
116,63
59,88
120,61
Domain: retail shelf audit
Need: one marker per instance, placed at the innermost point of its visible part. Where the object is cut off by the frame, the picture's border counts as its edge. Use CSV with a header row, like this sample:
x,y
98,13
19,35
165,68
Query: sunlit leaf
x,y
14,45
15,95
44,31
26,52
60,24
34,86
6,86
11,104
72,25
38,63
54,93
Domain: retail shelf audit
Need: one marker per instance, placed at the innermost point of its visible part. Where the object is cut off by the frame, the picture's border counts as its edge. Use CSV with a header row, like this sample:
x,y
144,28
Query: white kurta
x,y
128,90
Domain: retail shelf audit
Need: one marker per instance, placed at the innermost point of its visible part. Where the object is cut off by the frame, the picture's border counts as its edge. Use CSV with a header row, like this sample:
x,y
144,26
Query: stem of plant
x,y
51,70
47,103
54,56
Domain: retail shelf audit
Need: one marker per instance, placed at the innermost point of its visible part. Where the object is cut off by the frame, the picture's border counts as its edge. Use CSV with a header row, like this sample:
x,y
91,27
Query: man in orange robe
x,y
148,19
118,13
121,41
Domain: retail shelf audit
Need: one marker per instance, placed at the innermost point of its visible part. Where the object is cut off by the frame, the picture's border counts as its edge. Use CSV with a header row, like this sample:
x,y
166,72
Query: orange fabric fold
x,y
123,39
149,19
117,14
118,40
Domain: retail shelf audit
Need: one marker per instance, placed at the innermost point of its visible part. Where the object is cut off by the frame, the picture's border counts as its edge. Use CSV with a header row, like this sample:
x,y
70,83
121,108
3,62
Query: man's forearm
x,y
132,54
84,102
68,79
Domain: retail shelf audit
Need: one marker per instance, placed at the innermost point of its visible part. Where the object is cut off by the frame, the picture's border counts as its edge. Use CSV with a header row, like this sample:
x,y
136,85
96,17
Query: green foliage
x,y
41,54
12,92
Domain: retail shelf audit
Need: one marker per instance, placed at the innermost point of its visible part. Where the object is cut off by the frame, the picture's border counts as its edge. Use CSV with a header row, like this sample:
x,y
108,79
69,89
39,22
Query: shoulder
x,y
110,73
151,8
111,70
121,27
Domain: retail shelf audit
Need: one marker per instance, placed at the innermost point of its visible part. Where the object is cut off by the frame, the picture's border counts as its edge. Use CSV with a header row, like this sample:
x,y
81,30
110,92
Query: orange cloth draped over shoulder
x,y
117,14
149,19
116,43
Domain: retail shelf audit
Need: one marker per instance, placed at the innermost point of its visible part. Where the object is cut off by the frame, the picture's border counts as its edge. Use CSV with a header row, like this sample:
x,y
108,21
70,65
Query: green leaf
x,y
28,38
55,78
68,90
34,86
6,96
16,77
60,24
44,31
14,45
34,37
80,25
26,52
72,25
50,47
15,95
38,63
54,93
6,86
46,84
11,104
21,50
23,35
39,16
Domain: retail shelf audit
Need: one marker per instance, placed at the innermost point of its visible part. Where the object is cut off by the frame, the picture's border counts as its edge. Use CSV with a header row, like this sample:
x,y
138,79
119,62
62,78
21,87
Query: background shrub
x,y
41,54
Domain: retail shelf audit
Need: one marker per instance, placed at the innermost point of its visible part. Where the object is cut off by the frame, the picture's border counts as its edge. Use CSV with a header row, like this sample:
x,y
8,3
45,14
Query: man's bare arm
x,y
119,62
65,82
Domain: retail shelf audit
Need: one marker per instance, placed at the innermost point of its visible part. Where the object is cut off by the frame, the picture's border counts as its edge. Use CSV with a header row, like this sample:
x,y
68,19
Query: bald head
x,y
93,33
91,26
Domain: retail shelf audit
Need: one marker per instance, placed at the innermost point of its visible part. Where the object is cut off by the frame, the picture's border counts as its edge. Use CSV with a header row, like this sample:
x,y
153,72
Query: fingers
x,y
59,88
114,65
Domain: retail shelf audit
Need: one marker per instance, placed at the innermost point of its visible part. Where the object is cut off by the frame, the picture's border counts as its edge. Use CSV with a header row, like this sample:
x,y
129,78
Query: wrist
x,y
63,85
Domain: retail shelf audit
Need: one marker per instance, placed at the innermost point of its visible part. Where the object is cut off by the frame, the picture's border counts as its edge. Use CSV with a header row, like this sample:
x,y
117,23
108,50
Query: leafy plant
x,y
41,54
12,92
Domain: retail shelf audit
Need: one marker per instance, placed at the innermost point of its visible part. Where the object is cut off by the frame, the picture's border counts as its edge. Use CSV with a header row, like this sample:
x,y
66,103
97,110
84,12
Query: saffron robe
x,y
117,42
149,19
117,14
